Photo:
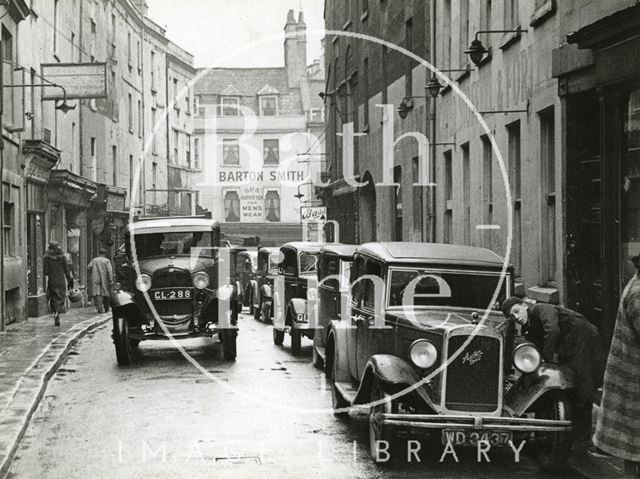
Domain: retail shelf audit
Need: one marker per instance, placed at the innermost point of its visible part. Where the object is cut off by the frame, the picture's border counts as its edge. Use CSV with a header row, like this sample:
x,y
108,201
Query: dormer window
x,y
268,105
230,106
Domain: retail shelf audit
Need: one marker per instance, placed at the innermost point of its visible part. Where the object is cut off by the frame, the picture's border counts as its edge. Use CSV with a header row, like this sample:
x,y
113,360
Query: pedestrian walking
x,y
618,425
562,332
59,278
100,279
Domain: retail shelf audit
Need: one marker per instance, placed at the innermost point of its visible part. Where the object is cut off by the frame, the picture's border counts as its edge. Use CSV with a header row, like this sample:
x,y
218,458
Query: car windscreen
x,y
308,263
172,244
434,287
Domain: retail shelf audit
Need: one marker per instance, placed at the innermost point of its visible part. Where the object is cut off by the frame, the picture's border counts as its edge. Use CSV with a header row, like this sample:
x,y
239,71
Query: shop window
x,y
272,206
271,152
269,105
231,207
230,152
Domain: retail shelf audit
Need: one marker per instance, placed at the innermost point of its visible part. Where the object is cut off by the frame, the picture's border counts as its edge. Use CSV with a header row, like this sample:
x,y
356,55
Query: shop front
x,y
599,82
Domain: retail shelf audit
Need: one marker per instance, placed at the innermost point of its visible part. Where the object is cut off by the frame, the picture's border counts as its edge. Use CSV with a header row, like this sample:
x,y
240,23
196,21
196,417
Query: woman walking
x,y
59,279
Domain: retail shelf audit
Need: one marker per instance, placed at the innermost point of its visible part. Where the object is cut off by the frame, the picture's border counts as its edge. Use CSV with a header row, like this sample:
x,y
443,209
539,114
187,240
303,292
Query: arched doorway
x,y
368,221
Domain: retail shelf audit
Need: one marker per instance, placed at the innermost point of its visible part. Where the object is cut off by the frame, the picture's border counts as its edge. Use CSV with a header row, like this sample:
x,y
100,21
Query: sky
x,y
212,29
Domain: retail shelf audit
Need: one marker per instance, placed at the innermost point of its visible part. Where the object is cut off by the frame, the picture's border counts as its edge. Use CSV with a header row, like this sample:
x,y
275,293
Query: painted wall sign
x,y
251,204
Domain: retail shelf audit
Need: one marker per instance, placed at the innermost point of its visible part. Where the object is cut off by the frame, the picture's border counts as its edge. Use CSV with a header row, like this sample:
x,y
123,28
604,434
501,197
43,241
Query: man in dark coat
x,y
59,278
561,332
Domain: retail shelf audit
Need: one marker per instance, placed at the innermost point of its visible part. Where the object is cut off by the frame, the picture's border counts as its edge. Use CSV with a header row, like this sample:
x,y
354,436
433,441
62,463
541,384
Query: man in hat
x,y
565,334
59,278
100,278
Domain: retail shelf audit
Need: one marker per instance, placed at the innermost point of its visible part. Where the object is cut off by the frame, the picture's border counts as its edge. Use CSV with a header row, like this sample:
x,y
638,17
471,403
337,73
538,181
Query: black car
x,y
294,286
334,270
261,289
167,285
426,348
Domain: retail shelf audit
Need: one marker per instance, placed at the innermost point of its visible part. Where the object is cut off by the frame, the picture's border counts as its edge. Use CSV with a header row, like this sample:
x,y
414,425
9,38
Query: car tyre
x,y
552,451
296,341
229,338
278,336
121,340
380,434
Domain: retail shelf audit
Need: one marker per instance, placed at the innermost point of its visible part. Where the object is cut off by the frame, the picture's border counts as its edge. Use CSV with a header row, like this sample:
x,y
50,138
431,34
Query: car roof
x,y
172,225
303,246
436,253
269,249
339,249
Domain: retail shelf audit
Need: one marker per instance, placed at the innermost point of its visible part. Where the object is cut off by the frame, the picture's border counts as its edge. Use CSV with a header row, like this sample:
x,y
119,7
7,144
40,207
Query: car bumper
x,y
425,422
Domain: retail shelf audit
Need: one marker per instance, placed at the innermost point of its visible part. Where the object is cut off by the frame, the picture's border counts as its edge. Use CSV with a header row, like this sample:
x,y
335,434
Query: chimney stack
x,y
295,49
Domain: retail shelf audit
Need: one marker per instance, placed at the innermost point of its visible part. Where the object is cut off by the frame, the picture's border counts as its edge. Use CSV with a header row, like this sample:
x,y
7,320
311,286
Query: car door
x,y
364,316
350,319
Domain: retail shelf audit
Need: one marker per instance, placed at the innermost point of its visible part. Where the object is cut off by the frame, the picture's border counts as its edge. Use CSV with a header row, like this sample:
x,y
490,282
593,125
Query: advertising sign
x,y
80,80
251,204
313,213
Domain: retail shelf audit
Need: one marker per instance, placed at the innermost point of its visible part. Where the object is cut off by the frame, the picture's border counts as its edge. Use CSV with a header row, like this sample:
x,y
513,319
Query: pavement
x,y
30,353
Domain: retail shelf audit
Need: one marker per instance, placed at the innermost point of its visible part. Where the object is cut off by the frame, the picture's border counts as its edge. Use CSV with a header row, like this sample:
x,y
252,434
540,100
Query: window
x,y
385,62
132,173
487,190
486,21
548,178
513,131
271,152
153,71
446,31
230,106
154,136
8,232
511,14
364,4
187,103
230,152
129,50
464,31
55,26
196,153
417,198
188,145
154,181
397,204
268,105
176,147
139,57
272,206
408,44
130,112
94,160
174,95
114,164
365,89
316,115
8,94
231,207
73,44
448,196
370,294
139,118
466,193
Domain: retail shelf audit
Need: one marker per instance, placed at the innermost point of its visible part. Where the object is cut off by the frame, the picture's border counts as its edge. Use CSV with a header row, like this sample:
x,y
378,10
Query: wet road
x,y
161,417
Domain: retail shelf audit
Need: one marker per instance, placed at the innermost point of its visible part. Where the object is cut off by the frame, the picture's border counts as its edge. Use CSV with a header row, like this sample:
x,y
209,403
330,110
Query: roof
x,y
171,225
246,81
339,249
435,253
304,246
269,249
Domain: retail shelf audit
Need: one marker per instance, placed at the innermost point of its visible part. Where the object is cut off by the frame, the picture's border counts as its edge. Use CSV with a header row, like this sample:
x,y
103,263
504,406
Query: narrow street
x,y
161,418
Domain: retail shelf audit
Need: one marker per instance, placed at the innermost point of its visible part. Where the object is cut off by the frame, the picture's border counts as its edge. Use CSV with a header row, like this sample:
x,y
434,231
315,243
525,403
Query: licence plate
x,y
458,437
171,293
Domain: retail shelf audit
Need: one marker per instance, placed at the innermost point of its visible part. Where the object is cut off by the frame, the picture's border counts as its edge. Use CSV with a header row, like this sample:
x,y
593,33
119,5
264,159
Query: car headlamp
x,y
423,353
526,358
201,280
143,282
225,292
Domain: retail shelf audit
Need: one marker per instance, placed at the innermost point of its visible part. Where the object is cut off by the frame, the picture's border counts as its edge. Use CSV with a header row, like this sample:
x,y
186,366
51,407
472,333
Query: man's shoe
x,y
56,319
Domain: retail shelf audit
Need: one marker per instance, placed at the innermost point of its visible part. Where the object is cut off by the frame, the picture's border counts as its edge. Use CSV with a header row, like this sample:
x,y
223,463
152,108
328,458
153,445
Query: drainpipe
x,y
432,163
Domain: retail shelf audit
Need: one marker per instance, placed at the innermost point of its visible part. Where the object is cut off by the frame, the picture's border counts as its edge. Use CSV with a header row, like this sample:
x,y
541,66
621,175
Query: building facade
x,y
259,139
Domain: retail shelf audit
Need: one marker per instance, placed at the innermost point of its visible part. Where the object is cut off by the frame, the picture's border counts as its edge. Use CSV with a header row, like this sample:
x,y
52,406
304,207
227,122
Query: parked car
x,y
298,272
439,362
334,271
261,288
246,270
167,285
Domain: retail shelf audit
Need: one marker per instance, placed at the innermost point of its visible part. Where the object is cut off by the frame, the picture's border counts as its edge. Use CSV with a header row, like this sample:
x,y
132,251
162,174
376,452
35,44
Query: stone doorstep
x,y
31,387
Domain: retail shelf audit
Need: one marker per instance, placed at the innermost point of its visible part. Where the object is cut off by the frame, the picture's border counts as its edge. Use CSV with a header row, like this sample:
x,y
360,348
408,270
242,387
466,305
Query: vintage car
x,y
296,281
242,270
261,288
425,347
334,270
167,285
246,270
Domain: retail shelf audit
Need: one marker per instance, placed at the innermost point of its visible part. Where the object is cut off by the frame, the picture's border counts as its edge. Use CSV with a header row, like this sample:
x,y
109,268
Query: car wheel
x,y
229,338
338,403
552,449
124,351
296,341
384,446
278,336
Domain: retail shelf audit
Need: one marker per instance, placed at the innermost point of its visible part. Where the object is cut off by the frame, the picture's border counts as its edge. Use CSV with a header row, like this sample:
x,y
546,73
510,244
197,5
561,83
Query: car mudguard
x,y
391,371
121,298
529,387
336,347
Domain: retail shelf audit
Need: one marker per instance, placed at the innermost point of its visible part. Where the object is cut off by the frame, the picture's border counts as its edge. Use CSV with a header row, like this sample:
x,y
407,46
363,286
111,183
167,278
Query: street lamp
x,y
477,50
433,86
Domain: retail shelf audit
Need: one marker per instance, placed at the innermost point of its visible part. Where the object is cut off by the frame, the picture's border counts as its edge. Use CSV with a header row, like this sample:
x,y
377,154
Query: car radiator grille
x,y
171,278
473,377
167,309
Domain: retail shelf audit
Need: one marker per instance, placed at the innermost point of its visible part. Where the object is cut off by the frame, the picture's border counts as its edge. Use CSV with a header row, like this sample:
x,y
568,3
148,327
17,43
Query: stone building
x,y
259,137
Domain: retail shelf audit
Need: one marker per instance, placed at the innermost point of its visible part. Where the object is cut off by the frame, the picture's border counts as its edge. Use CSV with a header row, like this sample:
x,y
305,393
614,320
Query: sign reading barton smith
x,y
241,176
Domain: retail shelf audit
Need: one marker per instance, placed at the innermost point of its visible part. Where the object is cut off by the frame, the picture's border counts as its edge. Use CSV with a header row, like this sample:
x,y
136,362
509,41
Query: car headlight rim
x,y
201,280
526,358
423,353
143,283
